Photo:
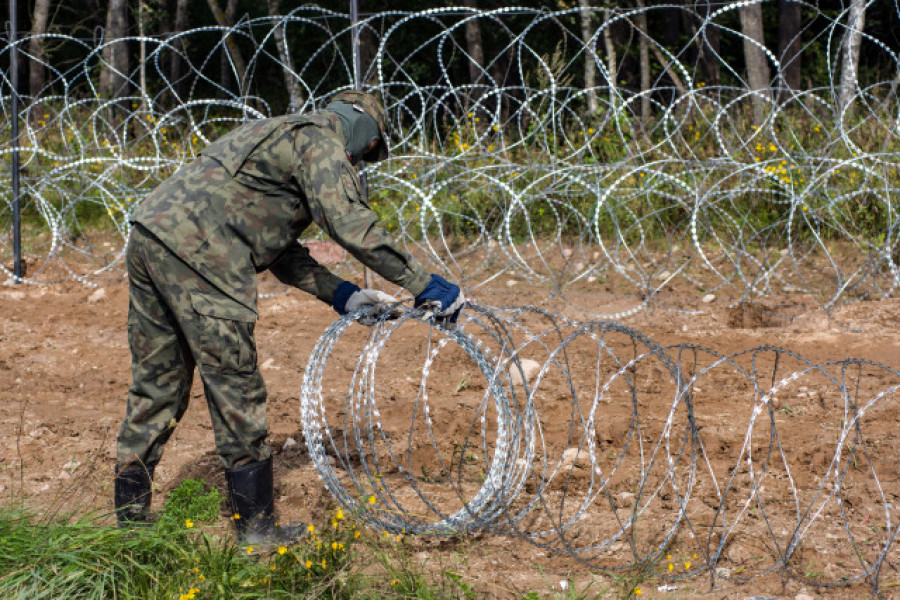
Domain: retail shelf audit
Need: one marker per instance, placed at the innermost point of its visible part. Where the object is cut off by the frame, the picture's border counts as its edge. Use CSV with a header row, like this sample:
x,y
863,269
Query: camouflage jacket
x,y
239,208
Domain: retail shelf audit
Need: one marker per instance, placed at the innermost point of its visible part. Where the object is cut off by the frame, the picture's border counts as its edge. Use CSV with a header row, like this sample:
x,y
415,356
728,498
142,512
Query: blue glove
x,y
341,295
443,297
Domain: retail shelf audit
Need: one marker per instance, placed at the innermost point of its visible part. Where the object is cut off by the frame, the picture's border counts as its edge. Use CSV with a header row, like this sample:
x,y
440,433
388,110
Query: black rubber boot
x,y
132,495
251,493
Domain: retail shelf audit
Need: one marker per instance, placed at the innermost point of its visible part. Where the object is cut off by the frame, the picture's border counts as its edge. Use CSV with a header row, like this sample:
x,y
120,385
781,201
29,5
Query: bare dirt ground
x,y
65,370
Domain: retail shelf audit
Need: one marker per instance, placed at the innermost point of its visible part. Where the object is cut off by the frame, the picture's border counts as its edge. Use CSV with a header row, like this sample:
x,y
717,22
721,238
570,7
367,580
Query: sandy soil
x,y
65,370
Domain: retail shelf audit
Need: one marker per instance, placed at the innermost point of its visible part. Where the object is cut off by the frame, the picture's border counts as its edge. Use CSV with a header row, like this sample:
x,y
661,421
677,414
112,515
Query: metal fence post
x,y
14,101
357,83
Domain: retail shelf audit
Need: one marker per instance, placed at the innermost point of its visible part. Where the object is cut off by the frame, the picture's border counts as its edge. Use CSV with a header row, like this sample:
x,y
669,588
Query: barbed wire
x,y
665,195
583,438
591,440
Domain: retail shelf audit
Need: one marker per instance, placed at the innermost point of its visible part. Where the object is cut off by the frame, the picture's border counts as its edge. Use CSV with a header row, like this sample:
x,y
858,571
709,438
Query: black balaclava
x,y
359,129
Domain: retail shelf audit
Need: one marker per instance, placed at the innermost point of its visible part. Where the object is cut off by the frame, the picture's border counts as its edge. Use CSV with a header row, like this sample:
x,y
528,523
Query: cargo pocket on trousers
x,y
226,333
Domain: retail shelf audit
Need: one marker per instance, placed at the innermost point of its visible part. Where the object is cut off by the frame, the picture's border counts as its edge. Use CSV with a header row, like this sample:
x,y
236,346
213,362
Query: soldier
x,y
198,242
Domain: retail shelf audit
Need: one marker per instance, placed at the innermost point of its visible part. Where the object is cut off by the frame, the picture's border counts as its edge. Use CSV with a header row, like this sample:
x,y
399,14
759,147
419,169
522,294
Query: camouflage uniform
x,y
199,241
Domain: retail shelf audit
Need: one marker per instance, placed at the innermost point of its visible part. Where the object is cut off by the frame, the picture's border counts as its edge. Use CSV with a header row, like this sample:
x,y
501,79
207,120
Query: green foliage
x,y
85,558
190,502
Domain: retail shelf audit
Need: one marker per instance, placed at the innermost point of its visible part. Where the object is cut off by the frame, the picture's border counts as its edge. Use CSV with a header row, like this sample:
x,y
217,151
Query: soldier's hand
x,y
379,305
375,304
443,298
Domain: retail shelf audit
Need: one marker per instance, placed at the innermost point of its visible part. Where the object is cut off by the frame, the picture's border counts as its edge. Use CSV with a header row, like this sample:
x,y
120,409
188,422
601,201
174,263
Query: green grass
x,y
179,557
184,556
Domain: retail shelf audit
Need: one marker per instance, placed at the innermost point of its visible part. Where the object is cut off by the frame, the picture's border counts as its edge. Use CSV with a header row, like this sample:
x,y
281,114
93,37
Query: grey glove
x,y
381,305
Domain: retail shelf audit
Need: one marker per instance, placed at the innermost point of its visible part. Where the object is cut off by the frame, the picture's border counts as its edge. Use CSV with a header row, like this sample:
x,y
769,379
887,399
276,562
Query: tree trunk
x,y
852,40
237,66
590,56
36,72
612,61
475,49
790,20
290,81
178,46
644,54
709,49
114,74
757,66
501,76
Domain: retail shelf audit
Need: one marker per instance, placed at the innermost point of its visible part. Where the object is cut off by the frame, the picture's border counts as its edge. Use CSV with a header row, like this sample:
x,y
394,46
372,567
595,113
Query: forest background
x,y
801,36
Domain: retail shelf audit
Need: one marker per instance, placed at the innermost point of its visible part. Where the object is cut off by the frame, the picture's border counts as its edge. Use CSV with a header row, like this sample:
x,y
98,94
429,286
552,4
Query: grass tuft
x,y
183,556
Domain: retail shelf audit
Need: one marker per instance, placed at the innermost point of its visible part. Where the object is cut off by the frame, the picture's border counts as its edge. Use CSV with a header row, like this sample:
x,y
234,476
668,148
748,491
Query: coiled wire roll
x,y
591,440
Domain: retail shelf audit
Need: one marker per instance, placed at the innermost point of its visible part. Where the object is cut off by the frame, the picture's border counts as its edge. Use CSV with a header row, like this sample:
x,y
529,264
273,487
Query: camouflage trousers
x,y
178,321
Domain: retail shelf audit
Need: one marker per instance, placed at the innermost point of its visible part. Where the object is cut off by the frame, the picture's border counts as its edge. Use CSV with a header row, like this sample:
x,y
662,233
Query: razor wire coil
x,y
508,176
531,457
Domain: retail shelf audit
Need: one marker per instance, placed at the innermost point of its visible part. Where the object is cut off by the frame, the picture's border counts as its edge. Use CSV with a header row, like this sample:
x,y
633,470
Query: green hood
x,y
359,129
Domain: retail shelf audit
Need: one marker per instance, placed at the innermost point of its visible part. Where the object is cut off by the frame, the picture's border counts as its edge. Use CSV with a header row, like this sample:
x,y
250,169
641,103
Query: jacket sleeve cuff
x,y
419,282
342,294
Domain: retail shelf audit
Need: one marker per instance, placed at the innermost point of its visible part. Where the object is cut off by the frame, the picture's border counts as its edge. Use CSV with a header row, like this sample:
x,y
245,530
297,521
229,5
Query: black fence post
x,y
14,101
357,83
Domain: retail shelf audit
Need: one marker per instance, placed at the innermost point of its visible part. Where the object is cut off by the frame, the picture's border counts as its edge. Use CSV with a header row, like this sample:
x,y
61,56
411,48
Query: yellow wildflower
x,y
188,523
309,564
281,549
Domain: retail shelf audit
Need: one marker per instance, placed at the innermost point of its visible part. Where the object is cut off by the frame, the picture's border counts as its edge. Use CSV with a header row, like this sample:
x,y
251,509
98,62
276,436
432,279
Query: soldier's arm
x,y
336,203
297,268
